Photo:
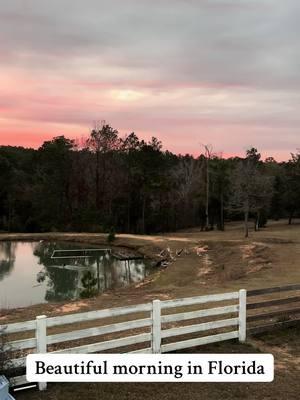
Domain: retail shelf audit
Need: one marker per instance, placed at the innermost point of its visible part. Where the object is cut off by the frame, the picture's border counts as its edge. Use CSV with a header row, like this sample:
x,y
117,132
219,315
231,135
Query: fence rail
x,y
267,309
154,327
274,289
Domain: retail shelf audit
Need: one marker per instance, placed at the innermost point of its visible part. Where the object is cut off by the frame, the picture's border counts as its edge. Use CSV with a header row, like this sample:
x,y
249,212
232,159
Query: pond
x,y
40,272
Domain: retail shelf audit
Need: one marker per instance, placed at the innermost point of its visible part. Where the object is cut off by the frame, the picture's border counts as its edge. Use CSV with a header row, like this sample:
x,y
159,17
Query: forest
x,y
109,183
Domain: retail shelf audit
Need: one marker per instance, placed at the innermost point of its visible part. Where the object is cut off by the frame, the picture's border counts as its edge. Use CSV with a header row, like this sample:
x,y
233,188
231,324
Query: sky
x,y
190,72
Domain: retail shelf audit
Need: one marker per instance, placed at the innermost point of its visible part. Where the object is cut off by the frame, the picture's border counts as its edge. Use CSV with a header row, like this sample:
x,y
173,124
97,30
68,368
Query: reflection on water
x,y
7,258
38,272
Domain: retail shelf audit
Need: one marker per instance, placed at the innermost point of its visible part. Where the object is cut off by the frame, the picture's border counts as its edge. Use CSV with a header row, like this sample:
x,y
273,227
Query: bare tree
x,y
251,191
186,176
208,154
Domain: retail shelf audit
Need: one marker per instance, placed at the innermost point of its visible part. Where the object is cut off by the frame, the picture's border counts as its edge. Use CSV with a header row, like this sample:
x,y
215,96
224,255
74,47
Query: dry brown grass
x,y
286,385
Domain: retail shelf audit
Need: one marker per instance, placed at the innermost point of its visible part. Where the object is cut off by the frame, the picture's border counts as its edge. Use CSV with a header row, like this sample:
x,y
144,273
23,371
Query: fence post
x,y
156,326
41,340
242,314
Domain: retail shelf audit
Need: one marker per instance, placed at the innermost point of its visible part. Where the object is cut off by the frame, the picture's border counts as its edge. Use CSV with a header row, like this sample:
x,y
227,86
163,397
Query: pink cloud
x,y
181,114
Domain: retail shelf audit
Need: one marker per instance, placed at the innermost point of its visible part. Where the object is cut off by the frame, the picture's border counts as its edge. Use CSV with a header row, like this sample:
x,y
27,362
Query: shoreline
x,y
121,241
198,263
57,308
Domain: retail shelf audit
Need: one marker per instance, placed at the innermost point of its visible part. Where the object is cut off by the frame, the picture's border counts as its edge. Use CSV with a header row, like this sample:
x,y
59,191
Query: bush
x,y
111,237
89,282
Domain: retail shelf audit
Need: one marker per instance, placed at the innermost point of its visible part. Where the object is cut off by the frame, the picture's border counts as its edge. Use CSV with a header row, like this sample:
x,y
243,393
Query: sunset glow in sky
x,y
224,72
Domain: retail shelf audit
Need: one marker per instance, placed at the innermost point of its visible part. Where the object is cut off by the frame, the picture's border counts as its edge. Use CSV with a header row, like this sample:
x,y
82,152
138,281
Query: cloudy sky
x,y
223,72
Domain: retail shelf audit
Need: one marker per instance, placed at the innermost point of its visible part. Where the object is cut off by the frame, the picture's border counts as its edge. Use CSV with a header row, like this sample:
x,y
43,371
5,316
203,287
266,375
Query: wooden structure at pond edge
x,y
155,328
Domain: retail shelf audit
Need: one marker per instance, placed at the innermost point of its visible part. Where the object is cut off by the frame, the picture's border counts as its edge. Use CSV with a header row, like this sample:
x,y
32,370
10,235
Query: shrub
x,y
111,237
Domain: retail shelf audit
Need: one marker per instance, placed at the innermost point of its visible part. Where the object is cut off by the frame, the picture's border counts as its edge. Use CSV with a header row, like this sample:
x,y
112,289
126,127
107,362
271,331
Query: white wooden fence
x,y
156,317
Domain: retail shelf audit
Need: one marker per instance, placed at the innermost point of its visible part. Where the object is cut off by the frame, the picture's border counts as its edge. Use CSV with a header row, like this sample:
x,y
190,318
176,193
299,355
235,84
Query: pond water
x,y
40,272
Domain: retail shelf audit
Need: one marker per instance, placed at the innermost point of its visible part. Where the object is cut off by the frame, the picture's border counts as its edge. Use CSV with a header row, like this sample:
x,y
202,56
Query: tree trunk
x,y
128,212
97,182
246,224
257,221
9,220
143,215
207,196
222,212
290,218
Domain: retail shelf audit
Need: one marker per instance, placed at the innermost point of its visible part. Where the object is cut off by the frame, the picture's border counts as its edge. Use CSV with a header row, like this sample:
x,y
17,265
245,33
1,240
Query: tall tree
x,y
54,179
187,186
251,191
292,193
207,155
103,141
220,172
131,146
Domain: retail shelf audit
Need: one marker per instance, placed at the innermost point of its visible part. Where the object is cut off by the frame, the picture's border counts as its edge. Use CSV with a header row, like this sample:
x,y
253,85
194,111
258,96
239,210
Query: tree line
x,y
125,184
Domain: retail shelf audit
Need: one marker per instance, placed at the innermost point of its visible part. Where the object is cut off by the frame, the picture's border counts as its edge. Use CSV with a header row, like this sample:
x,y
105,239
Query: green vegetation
x,y
89,282
111,237
137,187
